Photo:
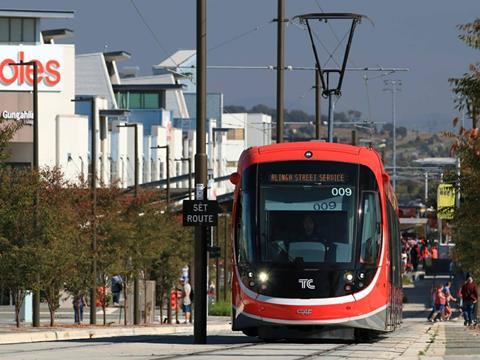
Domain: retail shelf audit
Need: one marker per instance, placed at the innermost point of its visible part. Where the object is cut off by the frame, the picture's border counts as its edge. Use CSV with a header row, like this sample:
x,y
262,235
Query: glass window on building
x,y
236,134
151,101
15,30
28,30
139,100
4,29
135,101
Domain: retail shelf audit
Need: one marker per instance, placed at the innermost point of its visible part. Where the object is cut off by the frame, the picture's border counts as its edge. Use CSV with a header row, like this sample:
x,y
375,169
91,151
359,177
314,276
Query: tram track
x,y
251,345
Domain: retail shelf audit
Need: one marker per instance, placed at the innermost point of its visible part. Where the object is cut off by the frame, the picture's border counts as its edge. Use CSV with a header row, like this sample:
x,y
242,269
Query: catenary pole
x,y
280,69
318,101
200,323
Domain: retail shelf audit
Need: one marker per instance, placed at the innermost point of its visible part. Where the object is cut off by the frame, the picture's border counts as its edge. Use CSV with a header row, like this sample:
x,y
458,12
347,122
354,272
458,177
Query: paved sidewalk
x,y
452,340
12,335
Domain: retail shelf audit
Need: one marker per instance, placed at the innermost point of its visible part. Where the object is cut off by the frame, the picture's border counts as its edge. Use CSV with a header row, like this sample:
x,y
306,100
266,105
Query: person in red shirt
x,y
440,301
470,297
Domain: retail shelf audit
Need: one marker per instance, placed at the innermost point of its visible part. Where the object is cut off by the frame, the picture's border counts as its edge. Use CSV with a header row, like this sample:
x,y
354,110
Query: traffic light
x,y
214,252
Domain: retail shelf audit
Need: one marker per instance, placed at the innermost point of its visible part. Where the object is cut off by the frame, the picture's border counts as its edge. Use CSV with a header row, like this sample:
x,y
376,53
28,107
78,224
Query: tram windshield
x,y
308,213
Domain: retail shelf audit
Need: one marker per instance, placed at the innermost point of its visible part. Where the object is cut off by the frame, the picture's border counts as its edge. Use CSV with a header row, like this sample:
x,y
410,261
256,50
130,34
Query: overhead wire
x,y
239,36
155,37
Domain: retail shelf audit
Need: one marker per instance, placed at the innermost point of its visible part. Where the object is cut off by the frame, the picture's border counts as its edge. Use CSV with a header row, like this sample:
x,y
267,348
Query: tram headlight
x,y
250,274
361,275
348,276
263,277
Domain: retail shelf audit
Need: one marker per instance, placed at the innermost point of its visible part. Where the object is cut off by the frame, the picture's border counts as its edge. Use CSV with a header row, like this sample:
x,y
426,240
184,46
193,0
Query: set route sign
x,y
200,213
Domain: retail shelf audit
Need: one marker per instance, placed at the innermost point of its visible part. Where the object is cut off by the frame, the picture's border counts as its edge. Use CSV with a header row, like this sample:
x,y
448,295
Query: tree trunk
x,y
125,302
144,299
104,304
161,307
19,298
52,317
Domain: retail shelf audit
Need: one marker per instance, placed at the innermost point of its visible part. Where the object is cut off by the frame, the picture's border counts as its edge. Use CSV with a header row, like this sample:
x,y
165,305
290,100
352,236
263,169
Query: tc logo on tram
x,y
306,284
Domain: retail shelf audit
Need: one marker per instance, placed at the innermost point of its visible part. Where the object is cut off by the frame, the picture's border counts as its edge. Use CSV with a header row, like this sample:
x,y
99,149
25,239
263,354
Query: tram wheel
x,y
250,332
364,335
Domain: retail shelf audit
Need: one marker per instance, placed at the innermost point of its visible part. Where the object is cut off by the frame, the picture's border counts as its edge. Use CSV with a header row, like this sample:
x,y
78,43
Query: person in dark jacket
x,y
470,298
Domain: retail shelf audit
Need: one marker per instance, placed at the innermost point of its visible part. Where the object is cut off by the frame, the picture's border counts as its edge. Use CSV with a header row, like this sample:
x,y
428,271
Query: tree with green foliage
x,y
8,129
56,233
467,88
18,251
466,231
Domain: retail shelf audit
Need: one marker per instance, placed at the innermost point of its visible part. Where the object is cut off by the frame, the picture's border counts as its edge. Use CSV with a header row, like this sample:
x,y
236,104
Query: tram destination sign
x,y
200,213
308,178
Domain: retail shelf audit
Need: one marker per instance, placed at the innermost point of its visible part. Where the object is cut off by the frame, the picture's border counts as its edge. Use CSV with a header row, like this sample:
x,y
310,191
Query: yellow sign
x,y
445,201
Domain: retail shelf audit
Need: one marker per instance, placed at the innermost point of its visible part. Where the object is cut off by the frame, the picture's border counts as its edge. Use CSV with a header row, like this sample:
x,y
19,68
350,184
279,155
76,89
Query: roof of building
x,y
150,79
56,34
145,87
176,59
40,14
91,77
116,55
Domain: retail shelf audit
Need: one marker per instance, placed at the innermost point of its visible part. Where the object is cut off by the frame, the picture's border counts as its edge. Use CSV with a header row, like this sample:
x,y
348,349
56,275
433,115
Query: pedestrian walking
x,y
186,299
448,298
79,302
470,298
439,304
117,286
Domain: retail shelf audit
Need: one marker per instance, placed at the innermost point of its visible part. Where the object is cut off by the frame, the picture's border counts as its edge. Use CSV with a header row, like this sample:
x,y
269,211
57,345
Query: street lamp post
x,y
189,161
225,258
393,86
93,187
167,162
35,167
136,283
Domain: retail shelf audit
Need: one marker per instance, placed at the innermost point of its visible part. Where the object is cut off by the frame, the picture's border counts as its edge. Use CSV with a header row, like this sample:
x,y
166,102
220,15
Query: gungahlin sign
x,y
50,64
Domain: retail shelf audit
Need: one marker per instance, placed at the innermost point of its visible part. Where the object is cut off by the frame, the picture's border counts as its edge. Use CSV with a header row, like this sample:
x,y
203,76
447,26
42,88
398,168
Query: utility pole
x,y
318,101
200,323
426,187
354,137
280,69
217,266
393,86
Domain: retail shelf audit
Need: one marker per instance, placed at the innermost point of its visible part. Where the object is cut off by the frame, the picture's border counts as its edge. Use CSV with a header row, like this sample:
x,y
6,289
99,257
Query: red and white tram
x,y
316,250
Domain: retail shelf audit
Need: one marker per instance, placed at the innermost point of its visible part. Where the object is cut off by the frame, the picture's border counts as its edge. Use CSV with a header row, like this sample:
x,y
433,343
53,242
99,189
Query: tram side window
x,y
394,246
244,236
370,228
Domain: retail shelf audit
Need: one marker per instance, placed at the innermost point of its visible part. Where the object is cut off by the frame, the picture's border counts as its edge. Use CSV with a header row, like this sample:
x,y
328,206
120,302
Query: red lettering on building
x,y
47,72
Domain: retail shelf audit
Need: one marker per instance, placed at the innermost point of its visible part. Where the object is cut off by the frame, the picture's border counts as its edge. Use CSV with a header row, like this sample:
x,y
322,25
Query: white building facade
x,y
62,135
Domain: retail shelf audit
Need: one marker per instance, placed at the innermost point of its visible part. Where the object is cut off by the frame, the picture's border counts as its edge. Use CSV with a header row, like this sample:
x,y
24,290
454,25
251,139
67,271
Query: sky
x,y
418,35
